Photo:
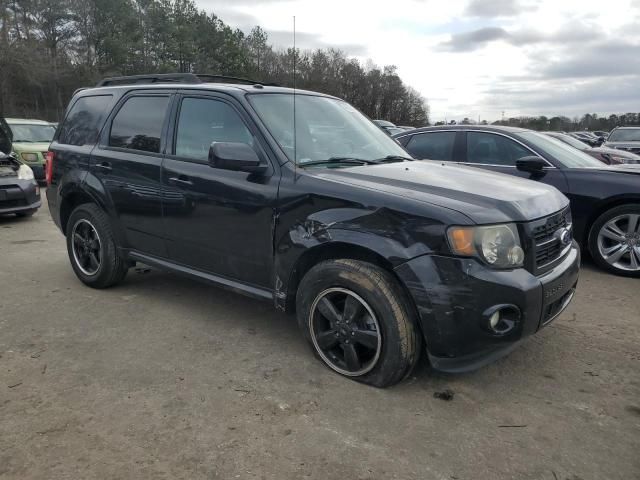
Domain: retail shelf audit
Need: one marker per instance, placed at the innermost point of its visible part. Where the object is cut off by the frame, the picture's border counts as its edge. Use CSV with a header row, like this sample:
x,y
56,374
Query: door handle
x,y
181,180
104,166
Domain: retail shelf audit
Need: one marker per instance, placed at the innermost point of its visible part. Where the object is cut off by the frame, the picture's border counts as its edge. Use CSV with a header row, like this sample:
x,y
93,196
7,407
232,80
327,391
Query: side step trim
x,y
232,285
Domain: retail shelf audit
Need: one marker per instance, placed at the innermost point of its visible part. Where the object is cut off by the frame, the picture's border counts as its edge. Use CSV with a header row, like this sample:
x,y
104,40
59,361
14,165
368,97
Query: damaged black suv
x,y
297,198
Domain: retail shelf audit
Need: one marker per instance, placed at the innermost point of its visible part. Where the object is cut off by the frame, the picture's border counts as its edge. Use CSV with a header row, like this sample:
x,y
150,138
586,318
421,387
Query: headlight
x,y
25,173
29,157
496,245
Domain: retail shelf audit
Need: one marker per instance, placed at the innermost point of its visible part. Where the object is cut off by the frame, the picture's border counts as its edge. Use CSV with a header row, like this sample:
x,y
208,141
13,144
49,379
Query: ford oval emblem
x,y
564,235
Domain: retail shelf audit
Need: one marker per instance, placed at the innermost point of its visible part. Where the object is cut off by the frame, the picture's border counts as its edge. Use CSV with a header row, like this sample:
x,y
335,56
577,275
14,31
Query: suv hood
x,y
6,137
483,196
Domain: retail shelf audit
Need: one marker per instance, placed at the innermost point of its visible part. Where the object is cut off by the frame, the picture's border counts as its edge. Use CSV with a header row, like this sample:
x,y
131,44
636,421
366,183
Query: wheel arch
x,y
331,251
602,207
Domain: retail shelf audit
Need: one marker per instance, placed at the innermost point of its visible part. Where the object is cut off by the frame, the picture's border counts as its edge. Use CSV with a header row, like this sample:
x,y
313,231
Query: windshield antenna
x,y
295,138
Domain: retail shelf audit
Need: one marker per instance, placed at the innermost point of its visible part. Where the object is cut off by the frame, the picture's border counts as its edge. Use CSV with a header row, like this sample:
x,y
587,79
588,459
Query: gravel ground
x,y
165,378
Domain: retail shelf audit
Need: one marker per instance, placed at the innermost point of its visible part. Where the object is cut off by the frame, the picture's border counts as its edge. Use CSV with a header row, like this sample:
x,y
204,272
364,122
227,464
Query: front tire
x,y
92,248
614,240
359,321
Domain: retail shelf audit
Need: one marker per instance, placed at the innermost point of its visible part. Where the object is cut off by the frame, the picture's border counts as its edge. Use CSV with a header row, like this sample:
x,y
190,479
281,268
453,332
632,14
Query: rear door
x,y
218,221
127,163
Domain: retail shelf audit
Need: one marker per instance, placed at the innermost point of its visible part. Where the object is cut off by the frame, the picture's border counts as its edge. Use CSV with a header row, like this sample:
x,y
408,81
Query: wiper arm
x,y
337,160
394,158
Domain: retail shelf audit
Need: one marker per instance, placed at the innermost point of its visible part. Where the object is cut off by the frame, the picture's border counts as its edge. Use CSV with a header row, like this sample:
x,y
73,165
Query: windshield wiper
x,y
394,158
338,160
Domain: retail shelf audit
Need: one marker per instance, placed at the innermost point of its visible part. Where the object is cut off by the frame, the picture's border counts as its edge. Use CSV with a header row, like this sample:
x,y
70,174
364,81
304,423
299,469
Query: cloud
x,y
496,8
475,39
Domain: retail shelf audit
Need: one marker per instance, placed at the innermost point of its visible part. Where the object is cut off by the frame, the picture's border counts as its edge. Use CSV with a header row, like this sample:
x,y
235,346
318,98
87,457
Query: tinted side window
x,y
491,149
432,145
138,124
84,120
203,121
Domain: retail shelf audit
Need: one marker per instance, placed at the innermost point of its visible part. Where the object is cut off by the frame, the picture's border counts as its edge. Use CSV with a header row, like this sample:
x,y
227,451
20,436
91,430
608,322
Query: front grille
x,y
545,243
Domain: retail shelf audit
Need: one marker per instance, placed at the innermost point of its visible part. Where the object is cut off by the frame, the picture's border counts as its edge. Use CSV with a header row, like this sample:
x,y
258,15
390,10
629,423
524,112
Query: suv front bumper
x,y
452,296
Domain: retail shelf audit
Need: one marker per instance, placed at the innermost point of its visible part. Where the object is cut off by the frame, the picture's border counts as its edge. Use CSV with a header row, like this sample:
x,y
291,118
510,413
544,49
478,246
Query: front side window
x,y
83,123
568,156
138,124
203,121
432,145
490,149
324,128
29,133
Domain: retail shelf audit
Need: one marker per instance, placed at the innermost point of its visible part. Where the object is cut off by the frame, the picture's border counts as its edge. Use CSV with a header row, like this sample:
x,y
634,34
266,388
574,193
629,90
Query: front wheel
x,y
614,240
359,321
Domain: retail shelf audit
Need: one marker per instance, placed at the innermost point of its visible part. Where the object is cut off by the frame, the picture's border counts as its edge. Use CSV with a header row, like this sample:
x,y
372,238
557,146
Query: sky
x,y
474,58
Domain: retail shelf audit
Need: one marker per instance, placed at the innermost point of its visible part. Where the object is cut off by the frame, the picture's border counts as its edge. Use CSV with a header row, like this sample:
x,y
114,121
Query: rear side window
x,y
84,120
432,145
138,124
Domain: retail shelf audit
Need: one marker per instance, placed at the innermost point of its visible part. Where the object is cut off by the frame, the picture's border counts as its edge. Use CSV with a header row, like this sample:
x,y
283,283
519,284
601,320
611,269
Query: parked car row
x,y
608,155
19,191
380,255
605,201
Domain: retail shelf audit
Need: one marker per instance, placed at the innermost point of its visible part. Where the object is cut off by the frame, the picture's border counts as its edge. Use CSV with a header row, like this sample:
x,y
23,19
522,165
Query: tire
x,y
617,232
26,213
111,267
384,309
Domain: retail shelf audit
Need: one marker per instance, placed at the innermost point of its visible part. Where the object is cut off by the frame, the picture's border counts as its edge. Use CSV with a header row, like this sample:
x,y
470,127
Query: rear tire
x,y
358,321
614,240
92,248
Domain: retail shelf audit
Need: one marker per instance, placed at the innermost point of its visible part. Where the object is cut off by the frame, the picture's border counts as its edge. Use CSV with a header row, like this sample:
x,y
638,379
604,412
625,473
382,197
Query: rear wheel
x,y
614,240
92,248
358,321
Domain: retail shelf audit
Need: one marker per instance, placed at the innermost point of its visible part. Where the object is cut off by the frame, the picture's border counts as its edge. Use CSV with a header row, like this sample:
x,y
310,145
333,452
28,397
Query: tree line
x,y
589,121
49,48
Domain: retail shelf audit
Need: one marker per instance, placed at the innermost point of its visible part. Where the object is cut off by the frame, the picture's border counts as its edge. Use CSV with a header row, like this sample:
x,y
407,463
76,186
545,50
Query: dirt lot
x,y
164,377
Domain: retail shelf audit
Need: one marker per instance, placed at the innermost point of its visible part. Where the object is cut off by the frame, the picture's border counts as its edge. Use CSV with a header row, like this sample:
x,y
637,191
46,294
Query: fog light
x,y
494,319
501,319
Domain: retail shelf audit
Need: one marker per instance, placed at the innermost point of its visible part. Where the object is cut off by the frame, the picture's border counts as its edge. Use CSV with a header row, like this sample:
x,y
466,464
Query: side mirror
x,y
531,164
239,157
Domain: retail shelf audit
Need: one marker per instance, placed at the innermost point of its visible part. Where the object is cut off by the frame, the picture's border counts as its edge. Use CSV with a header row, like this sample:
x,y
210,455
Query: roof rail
x,y
176,78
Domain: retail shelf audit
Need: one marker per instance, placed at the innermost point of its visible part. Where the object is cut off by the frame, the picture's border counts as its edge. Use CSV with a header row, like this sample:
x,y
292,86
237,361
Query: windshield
x,y
568,156
626,135
574,142
23,132
325,128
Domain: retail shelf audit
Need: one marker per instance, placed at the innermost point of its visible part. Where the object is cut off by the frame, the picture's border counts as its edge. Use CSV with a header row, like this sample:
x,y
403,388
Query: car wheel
x,y
358,321
614,240
92,248
27,213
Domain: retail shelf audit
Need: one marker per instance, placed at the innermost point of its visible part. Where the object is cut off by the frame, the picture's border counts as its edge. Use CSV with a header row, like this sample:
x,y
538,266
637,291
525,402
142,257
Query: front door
x,y
217,221
499,153
127,163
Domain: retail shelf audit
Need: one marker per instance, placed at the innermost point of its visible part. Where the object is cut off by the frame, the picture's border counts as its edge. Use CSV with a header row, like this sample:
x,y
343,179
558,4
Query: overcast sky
x,y
475,57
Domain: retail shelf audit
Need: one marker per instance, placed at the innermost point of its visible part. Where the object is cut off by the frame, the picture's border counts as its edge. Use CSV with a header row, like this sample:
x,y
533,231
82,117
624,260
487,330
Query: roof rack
x,y
191,78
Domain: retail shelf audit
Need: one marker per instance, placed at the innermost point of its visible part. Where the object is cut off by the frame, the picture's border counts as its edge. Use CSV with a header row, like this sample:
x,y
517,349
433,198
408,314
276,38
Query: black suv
x,y
297,198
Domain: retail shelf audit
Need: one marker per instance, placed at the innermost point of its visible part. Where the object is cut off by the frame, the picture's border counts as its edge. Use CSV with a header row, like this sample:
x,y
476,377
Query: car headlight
x,y
25,173
29,157
496,245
